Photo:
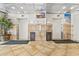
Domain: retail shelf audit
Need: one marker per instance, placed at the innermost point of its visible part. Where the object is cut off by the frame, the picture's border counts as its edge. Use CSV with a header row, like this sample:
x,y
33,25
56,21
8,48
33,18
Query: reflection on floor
x,y
40,48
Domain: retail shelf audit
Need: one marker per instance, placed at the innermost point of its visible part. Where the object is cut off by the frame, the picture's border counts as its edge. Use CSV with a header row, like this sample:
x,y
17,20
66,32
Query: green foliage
x,y
6,23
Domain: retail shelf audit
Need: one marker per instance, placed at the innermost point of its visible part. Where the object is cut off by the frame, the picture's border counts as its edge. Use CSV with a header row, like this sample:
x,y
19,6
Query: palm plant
x,y
5,24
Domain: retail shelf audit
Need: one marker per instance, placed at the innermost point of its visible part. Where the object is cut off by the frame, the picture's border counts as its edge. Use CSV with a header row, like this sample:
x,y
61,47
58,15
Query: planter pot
x,y
7,36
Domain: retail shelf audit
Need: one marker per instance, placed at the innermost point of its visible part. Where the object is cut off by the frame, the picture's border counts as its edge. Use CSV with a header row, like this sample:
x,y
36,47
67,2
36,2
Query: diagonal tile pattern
x,y
40,48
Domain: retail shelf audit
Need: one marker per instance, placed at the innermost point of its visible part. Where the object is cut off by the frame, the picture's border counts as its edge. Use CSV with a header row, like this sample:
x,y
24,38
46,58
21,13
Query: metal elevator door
x,y
32,36
48,36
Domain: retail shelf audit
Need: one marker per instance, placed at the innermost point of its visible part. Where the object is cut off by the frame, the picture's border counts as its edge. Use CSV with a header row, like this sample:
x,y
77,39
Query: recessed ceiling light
x,y
72,8
21,7
64,7
13,7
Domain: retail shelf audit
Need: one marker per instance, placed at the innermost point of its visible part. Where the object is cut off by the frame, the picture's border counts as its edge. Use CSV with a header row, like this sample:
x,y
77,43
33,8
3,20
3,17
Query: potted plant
x,y
6,26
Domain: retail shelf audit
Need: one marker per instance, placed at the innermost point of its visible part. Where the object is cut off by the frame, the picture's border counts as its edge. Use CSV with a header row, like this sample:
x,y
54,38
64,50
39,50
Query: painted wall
x,y
51,18
23,23
23,29
56,24
75,28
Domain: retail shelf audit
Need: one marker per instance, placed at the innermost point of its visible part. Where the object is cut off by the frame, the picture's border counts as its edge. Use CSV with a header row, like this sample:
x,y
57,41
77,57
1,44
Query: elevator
x,y
49,32
40,32
32,32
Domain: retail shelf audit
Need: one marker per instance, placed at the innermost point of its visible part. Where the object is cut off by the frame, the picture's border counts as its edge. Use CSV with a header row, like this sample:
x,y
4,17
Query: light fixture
x,y
13,7
64,7
21,7
72,8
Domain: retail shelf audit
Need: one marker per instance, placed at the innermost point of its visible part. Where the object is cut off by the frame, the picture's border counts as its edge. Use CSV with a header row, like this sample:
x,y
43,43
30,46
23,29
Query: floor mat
x,y
12,42
65,41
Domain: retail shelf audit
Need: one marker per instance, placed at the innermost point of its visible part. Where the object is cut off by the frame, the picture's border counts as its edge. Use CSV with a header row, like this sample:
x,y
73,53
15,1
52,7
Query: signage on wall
x,y
67,16
40,14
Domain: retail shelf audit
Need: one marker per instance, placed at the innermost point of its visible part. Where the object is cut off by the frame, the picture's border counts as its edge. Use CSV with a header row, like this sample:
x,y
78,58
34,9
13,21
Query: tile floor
x,y
40,48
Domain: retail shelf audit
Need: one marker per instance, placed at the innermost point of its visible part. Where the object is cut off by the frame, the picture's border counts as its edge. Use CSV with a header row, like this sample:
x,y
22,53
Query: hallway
x,y
50,29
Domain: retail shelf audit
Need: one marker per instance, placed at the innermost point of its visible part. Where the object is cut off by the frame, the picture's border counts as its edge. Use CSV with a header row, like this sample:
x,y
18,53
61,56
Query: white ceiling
x,y
23,7
58,7
33,7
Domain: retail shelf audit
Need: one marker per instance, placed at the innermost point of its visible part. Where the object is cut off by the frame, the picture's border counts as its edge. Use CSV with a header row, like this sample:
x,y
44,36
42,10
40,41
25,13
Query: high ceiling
x,y
22,7
33,7
61,7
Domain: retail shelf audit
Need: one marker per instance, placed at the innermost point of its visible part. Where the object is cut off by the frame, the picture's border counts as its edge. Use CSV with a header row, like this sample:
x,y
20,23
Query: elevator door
x,y
41,32
48,36
32,33
49,32
32,36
